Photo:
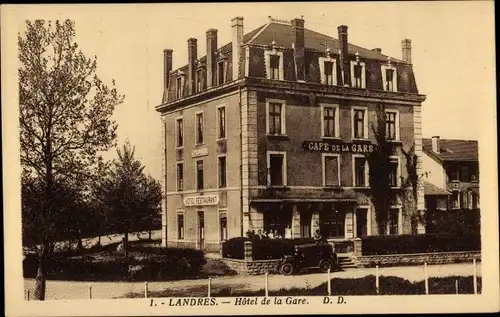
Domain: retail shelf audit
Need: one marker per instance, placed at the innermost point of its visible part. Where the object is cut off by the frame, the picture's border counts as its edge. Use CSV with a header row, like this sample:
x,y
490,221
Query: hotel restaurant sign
x,y
325,146
206,200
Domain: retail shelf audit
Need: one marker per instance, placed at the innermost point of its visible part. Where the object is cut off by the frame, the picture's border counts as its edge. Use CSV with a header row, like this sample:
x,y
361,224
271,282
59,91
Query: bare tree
x,y
65,117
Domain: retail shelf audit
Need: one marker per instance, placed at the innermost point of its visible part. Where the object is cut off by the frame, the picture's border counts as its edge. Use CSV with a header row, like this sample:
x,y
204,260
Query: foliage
x,y
456,222
65,120
144,264
407,244
127,197
379,162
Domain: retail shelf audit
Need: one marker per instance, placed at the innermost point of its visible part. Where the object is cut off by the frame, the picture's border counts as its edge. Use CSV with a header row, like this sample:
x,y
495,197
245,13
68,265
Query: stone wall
x,y
410,259
416,259
252,267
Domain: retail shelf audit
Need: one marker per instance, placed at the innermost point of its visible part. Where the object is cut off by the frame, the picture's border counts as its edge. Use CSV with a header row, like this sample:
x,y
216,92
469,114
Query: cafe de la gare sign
x,y
323,146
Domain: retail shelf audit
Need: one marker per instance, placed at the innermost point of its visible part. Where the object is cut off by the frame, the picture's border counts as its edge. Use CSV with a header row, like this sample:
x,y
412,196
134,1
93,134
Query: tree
x,y
130,198
65,118
379,161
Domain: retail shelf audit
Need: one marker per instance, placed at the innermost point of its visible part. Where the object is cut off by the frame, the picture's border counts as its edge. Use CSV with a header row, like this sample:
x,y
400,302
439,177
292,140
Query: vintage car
x,y
310,256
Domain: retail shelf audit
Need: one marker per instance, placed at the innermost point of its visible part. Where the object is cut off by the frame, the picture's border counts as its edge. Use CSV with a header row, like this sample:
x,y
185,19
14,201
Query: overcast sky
x,y
453,53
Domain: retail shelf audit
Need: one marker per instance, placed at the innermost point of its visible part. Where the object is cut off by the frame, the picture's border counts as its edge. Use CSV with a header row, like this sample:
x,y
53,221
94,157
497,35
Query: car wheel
x,y
287,269
325,265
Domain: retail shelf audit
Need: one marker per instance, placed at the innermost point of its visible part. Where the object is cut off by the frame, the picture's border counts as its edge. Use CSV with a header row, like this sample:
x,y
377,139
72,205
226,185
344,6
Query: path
x,y
106,290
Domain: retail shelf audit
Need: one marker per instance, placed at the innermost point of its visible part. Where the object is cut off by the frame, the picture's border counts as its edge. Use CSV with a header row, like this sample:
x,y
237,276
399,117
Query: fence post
x,y
90,291
266,284
329,282
376,279
28,294
456,286
209,286
426,279
474,275
146,292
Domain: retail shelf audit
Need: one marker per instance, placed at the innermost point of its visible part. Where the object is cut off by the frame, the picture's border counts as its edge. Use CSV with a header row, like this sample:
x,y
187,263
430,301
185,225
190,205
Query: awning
x,y
433,190
296,200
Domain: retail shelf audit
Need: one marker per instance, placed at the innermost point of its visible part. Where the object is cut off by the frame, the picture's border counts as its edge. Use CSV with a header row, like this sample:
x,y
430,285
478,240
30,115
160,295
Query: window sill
x,y
180,148
199,144
361,187
277,136
222,139
277,187
360,139
332,187
331,138
395,141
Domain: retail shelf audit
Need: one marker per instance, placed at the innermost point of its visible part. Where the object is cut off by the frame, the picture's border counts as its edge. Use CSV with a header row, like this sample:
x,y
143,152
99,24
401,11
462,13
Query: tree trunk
x,y
149,235
40,280
99,240
125,244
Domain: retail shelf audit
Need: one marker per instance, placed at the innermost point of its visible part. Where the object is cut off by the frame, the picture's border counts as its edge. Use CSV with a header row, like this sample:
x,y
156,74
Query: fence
x,y
262,285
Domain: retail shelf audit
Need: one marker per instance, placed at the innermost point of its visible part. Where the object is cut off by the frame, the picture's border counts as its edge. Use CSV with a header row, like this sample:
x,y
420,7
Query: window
x,y
180,132
394,172
392,125
180,176
199,80
275,118
330,121
332,223
455,199
221,118
362,222
222,172
199,175
276,169
465,175
393,223
180,226
358,74
328,70
275,66
389,78
331,170
223,227
360,171
221,74
199,128
453,173
179,87
359,123
329,73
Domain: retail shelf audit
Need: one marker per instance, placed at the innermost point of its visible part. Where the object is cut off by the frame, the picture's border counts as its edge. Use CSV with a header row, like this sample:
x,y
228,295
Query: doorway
x,y
201,229
305,224
361,222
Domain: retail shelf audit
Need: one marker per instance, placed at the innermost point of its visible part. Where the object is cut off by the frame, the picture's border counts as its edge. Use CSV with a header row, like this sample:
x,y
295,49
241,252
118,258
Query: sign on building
x,y
207,200
199,152
322,146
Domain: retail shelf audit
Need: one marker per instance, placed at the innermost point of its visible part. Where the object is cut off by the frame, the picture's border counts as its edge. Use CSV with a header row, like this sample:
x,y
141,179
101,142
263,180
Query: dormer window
x,y
199,80
328,68
221,73
358,73
179,86
389,77
274,65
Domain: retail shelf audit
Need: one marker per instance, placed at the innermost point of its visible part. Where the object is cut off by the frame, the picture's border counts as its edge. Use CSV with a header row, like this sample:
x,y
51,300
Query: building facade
x,y
271,132
452,169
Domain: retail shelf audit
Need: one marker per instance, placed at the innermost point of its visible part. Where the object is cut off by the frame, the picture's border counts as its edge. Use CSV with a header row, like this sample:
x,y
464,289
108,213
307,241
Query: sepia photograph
x,y
250,158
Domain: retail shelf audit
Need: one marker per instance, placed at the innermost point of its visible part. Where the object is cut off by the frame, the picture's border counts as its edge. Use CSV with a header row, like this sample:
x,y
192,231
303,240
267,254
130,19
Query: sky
x,y
452,52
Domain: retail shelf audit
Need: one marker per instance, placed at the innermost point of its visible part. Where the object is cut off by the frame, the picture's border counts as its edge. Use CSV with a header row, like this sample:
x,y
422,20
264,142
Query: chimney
x,y
406,48
211,49
344,60
167,67
192,56
237,38
435,144
299,48
377,50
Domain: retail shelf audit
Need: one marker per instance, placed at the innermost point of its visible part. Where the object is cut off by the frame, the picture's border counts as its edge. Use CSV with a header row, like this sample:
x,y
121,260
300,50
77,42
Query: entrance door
x,y
201,230
361,223
305,224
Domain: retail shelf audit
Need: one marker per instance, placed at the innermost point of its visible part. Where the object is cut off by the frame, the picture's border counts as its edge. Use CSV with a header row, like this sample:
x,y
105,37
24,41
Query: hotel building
x,y
270,131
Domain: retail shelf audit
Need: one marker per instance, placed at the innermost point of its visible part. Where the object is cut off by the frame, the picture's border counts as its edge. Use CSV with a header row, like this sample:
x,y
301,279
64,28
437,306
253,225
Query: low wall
x,y
416,259
252,267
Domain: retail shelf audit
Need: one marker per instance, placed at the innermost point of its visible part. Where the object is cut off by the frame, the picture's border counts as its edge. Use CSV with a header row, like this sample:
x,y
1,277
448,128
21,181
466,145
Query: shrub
x,y
406,244
453,222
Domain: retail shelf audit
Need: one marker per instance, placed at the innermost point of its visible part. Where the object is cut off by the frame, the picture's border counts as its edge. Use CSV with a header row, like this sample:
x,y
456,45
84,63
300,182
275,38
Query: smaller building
x,y
451,170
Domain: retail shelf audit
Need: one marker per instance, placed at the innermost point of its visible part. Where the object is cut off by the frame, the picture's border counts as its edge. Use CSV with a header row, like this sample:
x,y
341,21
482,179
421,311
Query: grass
x,y
388,285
